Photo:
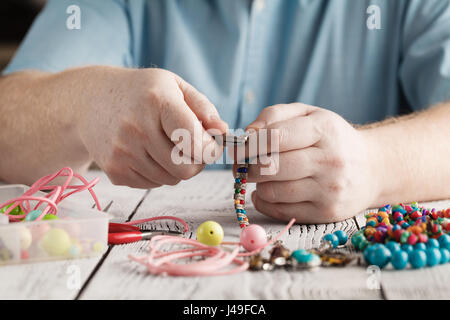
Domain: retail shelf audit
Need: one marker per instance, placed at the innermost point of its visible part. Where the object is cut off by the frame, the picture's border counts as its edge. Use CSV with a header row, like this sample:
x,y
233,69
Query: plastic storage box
x,y
77,233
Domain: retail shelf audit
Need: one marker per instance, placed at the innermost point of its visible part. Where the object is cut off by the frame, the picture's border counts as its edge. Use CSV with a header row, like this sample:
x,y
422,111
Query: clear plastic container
x,y
78,233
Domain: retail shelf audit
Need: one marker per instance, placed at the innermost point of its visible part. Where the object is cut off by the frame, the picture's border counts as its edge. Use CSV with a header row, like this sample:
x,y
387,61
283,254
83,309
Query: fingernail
x,y
256,125
214,117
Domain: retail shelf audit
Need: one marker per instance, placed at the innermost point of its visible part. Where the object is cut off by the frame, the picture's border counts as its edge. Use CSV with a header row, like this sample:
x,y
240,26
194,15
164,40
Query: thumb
x,y
201,106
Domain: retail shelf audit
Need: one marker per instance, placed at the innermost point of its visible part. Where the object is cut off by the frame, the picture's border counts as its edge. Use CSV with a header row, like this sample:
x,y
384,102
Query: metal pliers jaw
x,y
230,139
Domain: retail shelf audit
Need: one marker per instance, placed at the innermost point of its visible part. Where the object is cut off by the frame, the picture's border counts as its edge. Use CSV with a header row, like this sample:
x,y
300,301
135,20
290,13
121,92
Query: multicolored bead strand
x,y
240,185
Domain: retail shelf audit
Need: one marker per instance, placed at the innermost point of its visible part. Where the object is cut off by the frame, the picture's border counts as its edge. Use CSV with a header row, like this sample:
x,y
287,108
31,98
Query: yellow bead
x,y
210,233
98,247
237,201
56,242
383,214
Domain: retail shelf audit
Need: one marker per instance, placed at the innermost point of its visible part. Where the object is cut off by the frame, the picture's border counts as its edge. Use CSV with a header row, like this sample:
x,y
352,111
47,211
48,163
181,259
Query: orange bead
x,y
383,215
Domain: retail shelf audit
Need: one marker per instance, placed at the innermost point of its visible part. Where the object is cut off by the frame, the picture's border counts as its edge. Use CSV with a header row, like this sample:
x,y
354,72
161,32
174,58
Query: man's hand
x,y
128,118
325,169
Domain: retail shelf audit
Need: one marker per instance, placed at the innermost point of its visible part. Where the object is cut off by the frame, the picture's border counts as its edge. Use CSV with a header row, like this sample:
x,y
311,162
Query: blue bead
x,y
32,215
418,259
239,218
433,256
433,243
367,253
420,246
333,239
237,180
444,241
393,246
301,255
407,248
445,255
342,236
399,259
380,256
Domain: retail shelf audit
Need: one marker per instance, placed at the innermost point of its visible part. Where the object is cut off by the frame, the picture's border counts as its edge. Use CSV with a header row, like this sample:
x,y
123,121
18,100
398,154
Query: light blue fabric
x,y
246,55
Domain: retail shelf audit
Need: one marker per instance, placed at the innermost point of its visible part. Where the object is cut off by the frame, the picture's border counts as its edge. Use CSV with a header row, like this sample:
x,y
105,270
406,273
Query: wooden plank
x,y
204,197
49,280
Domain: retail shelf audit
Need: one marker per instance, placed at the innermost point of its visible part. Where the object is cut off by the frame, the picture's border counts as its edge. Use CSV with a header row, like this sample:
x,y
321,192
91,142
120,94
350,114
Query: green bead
x,y
16,211
363,244
404,237
50,217
210,233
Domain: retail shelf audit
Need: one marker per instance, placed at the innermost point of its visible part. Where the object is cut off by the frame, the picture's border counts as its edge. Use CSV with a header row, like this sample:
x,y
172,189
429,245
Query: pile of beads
x,y
328,254
240,185
405,233
281,257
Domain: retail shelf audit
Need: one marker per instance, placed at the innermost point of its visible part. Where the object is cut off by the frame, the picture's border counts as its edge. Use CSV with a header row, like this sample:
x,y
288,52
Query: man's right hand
x,y
127,118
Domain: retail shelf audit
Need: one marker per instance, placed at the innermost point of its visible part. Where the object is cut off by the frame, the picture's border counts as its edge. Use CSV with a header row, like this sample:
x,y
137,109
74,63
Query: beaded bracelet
x,y
240,185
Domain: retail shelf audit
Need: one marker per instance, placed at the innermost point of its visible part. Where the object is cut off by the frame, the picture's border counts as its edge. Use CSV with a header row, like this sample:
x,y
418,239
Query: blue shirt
x,y
246,55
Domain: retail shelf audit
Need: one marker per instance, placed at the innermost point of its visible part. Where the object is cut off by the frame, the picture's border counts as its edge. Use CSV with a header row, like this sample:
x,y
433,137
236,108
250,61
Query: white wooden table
x,y
208,197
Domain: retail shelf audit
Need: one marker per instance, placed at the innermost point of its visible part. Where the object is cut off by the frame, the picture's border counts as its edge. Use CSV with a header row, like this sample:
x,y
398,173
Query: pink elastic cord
x,y
213,260
53,198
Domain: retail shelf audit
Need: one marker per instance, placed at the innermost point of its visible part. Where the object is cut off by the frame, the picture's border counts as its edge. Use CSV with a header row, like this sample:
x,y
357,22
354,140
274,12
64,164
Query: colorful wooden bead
x,y
210,233
332,239
342,236
418,259
420,246
432,243
380,256
50,217
433,256
56,242
253,237
393,246
399,259
445,255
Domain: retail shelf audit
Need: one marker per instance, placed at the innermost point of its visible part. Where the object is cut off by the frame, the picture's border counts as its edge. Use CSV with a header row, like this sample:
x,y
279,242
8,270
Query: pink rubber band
x,y
53,198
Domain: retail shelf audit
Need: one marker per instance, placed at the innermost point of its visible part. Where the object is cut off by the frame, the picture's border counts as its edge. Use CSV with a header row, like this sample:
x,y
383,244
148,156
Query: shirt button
x,y
250,97
260,5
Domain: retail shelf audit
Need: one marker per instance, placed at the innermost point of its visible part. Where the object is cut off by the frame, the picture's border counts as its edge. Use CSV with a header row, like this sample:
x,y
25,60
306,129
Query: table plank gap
x,y
108,251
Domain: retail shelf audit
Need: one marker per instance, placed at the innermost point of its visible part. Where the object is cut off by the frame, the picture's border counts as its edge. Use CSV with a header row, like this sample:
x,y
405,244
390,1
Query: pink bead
x,y
253,237
412,239
423,238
